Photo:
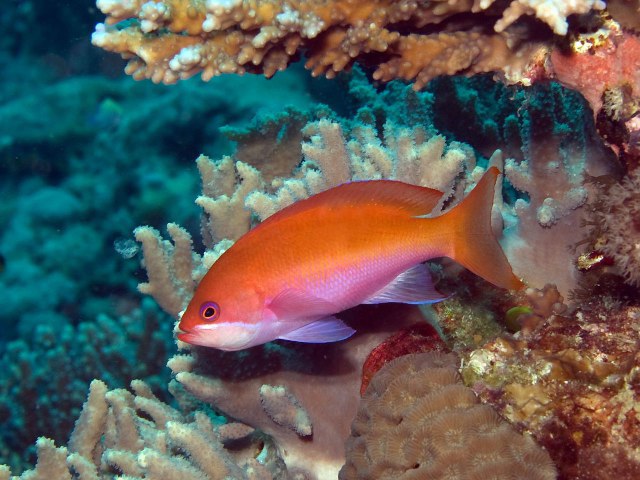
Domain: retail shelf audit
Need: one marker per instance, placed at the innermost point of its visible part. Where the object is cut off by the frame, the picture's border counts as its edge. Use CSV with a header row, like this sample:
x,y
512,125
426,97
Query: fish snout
x,y
185,337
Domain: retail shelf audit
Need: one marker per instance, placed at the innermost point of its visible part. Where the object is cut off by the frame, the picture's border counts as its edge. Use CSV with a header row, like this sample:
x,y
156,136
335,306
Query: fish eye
x,y
209,311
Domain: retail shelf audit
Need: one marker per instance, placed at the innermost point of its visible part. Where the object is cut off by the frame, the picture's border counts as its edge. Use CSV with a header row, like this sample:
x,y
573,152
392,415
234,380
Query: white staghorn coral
x,y
144,438
285,409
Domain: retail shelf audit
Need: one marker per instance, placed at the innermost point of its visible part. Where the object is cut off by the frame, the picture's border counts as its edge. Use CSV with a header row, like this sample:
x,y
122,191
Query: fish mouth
x,y
187,337
223,336
196,336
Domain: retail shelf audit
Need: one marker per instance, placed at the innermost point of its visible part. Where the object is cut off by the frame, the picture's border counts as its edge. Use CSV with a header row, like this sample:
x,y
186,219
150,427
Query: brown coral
x,y
574,383
620,221
418,421
170,40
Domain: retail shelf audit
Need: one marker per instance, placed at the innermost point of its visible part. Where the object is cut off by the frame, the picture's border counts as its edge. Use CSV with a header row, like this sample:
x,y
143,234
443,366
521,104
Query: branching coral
x,y
303,396
173,39
417,420
140,437
44,382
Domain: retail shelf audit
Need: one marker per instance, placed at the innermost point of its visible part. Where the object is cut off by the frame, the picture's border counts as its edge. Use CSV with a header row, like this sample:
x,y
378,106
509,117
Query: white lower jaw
x,y
223,336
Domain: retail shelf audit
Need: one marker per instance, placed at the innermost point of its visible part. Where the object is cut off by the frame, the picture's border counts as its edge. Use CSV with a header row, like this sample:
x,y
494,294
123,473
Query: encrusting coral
x,y
570,379
416,420
173,39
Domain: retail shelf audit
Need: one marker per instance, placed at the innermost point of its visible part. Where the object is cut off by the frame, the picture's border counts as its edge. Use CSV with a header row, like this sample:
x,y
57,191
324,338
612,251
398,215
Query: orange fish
x,y
361,242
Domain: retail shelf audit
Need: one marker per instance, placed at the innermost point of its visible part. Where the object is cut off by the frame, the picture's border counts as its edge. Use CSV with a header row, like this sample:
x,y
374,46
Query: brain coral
x,y
417,421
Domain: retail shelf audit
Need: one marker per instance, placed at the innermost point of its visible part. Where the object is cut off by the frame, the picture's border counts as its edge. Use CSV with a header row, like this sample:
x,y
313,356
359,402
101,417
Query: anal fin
x,y
325,330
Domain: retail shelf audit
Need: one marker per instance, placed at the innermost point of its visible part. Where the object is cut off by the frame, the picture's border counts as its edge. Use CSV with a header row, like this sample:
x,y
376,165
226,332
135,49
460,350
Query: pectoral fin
x,y
411,286
325,330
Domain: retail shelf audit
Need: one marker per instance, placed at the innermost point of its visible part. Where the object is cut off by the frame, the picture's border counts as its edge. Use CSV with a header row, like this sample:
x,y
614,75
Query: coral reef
x,y
45,379
569,379
335,152
138,436
175,39
85,159
234,190
416,420
412,156
392,134
421,337
615,226
332,153
303,396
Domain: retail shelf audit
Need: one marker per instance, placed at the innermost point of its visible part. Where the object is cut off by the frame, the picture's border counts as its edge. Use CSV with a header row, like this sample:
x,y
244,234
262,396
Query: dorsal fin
x,y
410,199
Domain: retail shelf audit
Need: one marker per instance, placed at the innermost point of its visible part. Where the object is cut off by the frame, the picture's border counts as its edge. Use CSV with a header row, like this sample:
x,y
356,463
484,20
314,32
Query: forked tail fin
x,y
473,243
